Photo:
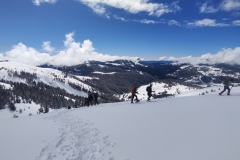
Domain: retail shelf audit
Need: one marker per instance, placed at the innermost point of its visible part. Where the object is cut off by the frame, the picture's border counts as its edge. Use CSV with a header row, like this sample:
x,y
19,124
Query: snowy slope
x,y
189,127
22,110
48,76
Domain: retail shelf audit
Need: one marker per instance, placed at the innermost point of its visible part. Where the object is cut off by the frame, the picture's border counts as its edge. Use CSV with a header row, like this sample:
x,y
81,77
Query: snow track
x,y
77,140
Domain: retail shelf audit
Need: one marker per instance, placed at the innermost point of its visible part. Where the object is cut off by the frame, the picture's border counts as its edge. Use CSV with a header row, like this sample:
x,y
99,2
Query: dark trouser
x,y
134,95
149,96
96,101
91,102
225,88
86,102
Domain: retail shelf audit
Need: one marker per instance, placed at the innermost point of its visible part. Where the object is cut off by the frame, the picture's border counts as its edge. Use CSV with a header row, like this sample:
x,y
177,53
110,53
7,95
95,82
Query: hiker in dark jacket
x,y
227,83
90,98
95,95
86,102
134,91
149,91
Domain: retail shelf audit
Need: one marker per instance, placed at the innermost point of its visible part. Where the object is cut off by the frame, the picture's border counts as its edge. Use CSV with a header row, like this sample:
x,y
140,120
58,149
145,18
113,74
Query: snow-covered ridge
x,y
52,77
165,77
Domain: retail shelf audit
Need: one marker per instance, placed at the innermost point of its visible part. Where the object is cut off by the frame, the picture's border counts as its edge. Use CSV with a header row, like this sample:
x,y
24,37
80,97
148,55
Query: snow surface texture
x,y
190,127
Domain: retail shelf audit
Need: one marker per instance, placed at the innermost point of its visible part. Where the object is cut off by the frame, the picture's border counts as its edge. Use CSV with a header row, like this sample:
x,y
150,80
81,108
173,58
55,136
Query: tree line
x,y
38,92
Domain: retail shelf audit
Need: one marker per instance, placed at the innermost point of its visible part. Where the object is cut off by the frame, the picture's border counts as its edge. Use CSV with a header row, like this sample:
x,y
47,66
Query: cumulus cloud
x,y
39,2
133,6
47,47
74,53
27,55
206,23
229,56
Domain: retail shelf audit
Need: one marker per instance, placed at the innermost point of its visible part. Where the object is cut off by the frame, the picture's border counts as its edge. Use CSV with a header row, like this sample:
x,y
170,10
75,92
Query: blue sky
x,y
147,29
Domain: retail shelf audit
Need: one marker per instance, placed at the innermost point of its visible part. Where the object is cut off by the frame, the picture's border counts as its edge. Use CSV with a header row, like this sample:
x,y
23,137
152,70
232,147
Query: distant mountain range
x,y
57,87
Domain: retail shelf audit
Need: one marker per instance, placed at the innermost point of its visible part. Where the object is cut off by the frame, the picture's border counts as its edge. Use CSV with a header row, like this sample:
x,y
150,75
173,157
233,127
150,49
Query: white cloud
x,y
206,23
206,8
39,2
230,5
173,22
120,18
147,21
47,47
132,6
223,5
229,56
27,55
236,23
2,57
74,53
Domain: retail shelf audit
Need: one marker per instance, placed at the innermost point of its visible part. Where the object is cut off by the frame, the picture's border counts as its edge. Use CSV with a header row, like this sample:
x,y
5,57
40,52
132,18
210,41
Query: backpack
x,y
226,82
90,97
148,89
133,90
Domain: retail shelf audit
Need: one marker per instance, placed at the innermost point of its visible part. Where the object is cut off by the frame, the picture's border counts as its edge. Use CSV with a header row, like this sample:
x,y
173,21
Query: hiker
x,y
134,91
86,102
149,92
95,95
90,98
227,82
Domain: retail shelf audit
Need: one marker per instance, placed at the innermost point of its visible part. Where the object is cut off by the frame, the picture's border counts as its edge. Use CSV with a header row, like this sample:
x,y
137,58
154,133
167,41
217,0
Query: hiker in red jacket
x,y
134,91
